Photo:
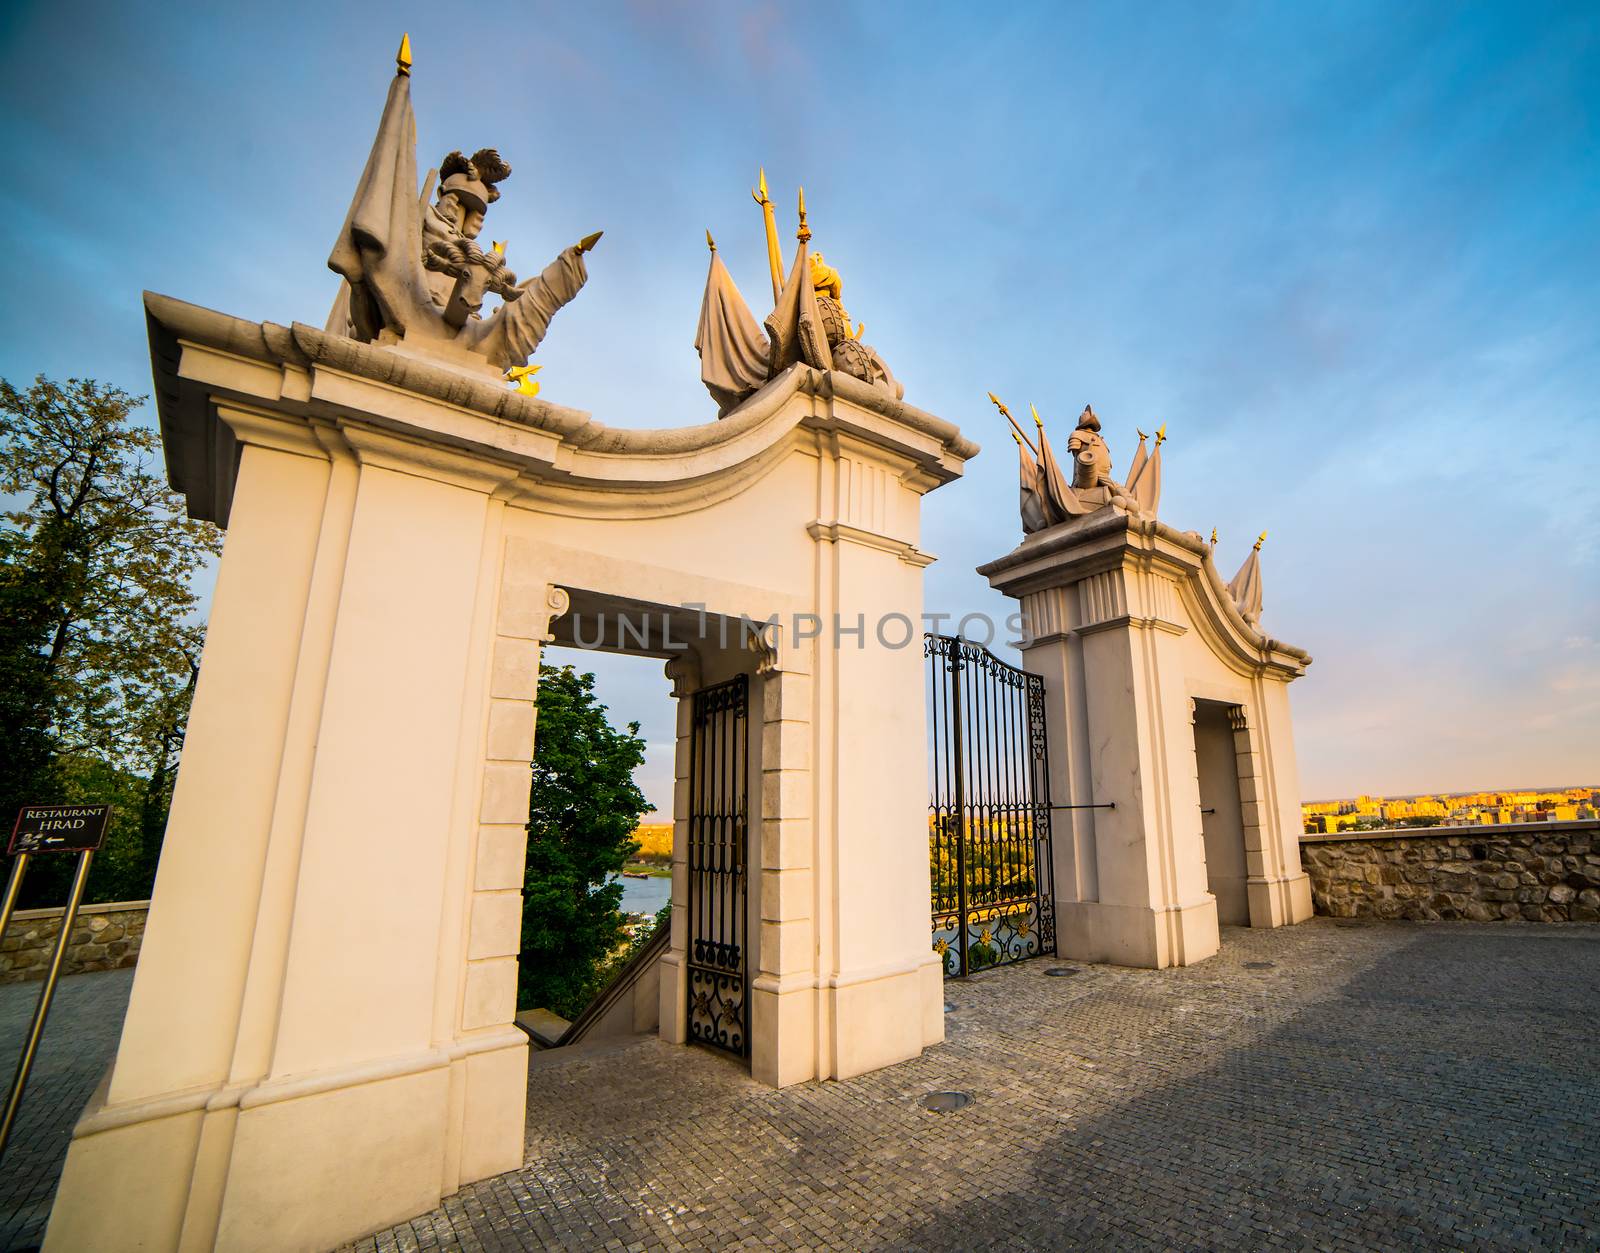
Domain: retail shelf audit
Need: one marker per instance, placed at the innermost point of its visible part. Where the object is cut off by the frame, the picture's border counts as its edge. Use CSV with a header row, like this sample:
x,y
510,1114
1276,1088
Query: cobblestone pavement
x,y
1336,1086
80,1038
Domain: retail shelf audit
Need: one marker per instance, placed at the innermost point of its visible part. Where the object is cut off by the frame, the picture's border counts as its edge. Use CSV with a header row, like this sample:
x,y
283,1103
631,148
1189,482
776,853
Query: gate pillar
x,y
1128,621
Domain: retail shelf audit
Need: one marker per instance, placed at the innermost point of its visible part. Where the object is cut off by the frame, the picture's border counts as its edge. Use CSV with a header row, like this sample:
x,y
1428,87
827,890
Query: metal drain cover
x,y
946,1102
1259,965
1061,972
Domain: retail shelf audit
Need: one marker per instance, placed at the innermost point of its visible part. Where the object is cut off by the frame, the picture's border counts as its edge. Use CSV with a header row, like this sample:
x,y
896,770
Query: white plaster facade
x,y
1130,625
320,1041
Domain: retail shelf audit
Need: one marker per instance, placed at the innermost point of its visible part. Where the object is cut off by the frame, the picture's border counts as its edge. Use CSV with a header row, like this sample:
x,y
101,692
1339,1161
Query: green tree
x,y
98,652
582,812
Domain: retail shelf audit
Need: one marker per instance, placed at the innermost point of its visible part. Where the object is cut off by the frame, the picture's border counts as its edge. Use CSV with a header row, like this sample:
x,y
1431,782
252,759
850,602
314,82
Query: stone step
x,y
545,1027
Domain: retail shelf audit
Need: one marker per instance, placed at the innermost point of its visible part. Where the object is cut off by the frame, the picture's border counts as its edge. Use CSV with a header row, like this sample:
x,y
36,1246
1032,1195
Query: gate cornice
x,y
1110,541
563,459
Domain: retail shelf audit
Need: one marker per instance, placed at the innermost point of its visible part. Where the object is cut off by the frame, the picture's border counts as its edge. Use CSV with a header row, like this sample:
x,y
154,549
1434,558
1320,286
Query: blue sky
x,y
1350,254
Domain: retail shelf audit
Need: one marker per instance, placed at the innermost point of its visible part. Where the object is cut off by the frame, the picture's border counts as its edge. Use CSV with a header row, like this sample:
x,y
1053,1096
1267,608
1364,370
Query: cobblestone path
x,y
1375,1086
80,1038
1331,1086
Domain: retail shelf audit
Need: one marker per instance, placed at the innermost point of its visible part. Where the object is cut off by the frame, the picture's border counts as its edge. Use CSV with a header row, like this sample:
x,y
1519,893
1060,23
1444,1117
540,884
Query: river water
x,y
645,896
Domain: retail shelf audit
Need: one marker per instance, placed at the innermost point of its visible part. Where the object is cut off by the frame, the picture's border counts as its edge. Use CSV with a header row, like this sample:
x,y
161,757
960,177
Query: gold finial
x,y
1037,420
500,247
1213,537
1161,434
522,376
1140,433
1260,539
402,59
1015,429
804,233
769,223
710,243
1018,438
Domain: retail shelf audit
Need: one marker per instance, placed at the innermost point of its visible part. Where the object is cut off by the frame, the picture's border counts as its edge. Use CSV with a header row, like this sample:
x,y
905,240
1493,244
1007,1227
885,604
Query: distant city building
x,y
1451,809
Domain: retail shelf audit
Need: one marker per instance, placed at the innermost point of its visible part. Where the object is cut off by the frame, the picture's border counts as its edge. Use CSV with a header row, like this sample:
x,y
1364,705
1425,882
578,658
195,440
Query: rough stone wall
x,y
104,937
1537,872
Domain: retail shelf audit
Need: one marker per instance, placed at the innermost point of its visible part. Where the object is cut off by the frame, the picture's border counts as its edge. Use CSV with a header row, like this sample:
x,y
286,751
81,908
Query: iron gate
x,y
989,809
719,981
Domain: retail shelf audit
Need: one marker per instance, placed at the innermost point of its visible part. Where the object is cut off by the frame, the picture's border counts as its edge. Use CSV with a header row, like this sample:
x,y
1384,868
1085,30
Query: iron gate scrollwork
x,y
719,981
989,809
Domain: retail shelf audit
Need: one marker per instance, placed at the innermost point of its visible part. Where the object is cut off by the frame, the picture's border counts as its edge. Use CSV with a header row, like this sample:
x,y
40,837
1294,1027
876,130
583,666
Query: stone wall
x,y
1536,871
104,937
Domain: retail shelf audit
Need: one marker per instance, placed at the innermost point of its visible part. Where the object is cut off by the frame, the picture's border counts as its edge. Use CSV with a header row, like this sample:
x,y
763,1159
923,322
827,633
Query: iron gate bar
x,y
989,808
718,984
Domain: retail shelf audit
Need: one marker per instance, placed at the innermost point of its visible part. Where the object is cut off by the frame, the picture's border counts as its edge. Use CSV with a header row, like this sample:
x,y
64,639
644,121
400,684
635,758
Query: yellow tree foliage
x,y
655,841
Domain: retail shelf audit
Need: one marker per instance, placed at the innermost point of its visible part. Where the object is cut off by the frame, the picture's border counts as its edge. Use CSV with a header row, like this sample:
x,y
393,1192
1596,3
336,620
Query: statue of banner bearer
x,y
414,272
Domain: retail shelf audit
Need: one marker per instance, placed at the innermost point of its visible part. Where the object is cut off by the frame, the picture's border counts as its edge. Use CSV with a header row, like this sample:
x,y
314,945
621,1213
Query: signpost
x,y
47,829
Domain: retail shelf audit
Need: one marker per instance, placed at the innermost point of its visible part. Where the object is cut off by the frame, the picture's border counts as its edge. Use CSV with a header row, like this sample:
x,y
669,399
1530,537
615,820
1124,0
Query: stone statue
x,y
459,272
1091,459
1049,498
850,353
808,323
415,273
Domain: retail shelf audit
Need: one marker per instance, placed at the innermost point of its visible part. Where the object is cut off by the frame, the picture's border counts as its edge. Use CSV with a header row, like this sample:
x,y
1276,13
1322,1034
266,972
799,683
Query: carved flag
x,y
794,328
1060,501
1034,517
379,249
1139,458
733,351
1145,486
1245,588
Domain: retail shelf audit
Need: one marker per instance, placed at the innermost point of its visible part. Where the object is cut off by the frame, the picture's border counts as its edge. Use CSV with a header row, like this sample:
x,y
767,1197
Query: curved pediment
x,y
1111,540
556,455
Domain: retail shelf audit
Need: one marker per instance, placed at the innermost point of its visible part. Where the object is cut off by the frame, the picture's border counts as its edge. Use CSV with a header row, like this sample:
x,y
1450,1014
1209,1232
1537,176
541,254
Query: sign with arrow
x,y
59,829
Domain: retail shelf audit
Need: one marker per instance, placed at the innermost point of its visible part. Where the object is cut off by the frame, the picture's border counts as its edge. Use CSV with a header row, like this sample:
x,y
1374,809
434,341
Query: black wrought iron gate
x,y
719,979
989,809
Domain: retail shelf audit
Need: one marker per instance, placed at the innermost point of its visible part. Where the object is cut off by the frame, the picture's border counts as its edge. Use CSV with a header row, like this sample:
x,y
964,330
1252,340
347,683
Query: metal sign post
x,y
48,829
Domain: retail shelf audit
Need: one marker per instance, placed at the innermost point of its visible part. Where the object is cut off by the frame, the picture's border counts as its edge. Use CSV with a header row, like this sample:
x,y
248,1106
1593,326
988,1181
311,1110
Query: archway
x,y
1221,812
323,1006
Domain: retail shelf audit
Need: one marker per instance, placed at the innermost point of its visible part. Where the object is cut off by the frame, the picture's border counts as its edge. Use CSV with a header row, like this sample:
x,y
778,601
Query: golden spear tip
x,y
804,233
1037,420
500,247
1141,434
1260,539
1161,434
763,180
402,59
1213,537
1018,438
710,243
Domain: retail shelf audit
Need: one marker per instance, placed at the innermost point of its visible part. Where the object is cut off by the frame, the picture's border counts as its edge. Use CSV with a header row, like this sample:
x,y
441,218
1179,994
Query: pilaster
x,y
684,672
784,1043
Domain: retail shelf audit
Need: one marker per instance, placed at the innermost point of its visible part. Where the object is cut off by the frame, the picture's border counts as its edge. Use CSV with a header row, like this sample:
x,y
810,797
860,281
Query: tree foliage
x,y
582,812
98,650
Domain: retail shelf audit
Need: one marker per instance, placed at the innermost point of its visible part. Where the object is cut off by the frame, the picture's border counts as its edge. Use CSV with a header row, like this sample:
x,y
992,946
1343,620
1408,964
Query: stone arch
x,y
336,914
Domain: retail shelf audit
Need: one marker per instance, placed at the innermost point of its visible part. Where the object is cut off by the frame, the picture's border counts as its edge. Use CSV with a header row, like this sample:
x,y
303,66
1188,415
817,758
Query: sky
x,y
1349,254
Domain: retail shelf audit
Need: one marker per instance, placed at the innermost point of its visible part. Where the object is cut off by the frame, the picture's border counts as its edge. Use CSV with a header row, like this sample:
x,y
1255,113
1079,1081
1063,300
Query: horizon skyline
x,y
1471,791
1347,256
